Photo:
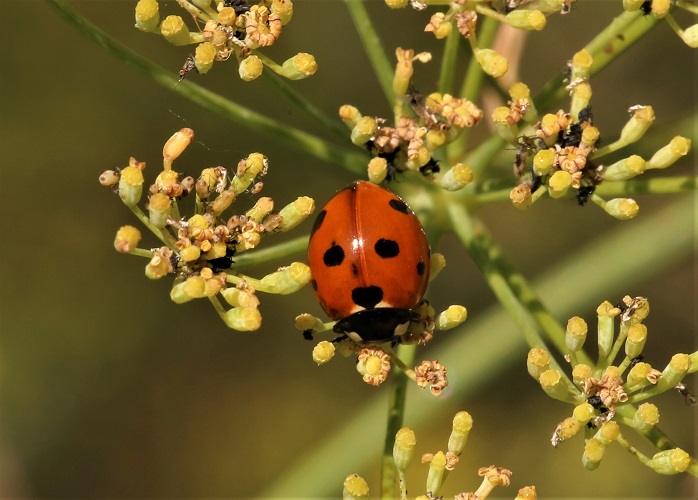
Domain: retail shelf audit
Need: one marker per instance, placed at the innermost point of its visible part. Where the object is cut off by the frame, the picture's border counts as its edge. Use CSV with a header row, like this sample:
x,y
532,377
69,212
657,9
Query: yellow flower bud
x,y
250,68
350,115
295,213
507,131
584,412
436,264
131,185
127,238
300,66
175,146
568,428
646,416
622,208
660,8
175,31
364,130
243,319
439,26
690,36
635,342
355,487
227,16
190,253
284,9
194,287
526,19
627,168
147,15
669,154
641,119
323,352
222,202
575,334
403,448
240,298
580,373
435,476
554,385
670,462
204,56
593,453
608,432
451,317
520,196
537,361
462,423
492,62
377,169
261,209
159,209
543,161
287,280
559,183
456,177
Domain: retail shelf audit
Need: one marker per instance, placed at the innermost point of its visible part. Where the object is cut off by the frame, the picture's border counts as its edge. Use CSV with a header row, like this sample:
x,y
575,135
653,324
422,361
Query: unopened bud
x,y
300,66
403,448
296,212
462,423
526,19
492,62
456,177
287,280
451,317
323,352
127,238
147,15
243,319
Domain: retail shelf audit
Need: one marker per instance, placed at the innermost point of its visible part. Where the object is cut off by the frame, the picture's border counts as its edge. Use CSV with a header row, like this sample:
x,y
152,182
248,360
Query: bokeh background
x,y
108,389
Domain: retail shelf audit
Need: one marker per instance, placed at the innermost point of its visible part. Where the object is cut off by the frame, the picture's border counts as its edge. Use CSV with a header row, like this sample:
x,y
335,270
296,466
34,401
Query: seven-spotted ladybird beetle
x,y
369,258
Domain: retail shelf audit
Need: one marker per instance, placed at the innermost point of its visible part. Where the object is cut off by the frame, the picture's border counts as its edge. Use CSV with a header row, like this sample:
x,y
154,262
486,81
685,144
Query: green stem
x,y
351,160
373,47
447,75
510,287
390,486
256,257
615,39
472,84
334,125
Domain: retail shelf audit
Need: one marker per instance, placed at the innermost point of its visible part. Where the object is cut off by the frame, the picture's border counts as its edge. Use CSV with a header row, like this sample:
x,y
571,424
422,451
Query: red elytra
x,y
369,258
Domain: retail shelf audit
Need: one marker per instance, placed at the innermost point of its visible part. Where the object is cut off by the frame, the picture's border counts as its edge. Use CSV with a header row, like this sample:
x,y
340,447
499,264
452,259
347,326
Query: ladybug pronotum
x,y
369,258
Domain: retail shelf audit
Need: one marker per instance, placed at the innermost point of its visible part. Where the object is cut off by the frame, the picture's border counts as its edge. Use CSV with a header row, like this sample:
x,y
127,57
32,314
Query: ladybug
x,y
369,258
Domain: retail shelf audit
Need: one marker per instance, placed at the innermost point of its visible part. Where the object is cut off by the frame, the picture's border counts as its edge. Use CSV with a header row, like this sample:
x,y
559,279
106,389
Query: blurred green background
x,y
108,389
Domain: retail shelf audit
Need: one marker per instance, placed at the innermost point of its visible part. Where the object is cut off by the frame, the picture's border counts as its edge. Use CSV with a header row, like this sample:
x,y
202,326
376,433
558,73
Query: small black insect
x,y
636,360
583,194
240,6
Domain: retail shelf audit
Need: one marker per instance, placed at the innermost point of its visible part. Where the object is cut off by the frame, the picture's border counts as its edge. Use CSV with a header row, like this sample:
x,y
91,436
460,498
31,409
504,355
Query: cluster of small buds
x,y
422,125
604,395
462,16
230,28
440,464
198,250
660,9
558,153
374,361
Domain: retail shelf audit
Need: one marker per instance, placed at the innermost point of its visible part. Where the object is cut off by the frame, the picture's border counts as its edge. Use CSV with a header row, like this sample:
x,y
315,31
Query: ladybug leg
x,y
308,334
338,339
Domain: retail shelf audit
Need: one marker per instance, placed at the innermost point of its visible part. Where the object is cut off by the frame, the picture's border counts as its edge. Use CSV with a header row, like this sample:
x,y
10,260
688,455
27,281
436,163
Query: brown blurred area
x,y
108,389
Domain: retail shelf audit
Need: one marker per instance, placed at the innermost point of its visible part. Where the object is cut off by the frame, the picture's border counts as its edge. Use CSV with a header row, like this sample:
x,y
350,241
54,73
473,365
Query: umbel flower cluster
x,y
529,15
198,250
440,465
422,125
225,29
462,16
559,152
604,394
374,362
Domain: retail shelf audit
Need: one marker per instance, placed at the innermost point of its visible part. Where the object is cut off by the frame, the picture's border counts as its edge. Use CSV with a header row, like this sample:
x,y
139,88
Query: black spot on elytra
x,y
387,248
367,297
333,256
421,267
318,221
313,283
399,205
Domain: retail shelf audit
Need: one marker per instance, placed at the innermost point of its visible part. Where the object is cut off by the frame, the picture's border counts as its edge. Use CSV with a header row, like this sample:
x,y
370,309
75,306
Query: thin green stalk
x,y
331,124
472,84
447,75
396,410
276,252
510,287
486,346
373,47
352,160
